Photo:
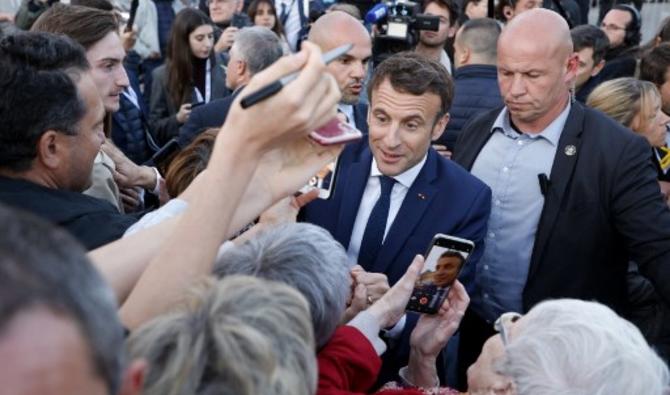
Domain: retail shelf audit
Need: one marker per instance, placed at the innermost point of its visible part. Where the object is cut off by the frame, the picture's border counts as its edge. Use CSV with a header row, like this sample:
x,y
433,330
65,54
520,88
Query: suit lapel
x,y
568,151
468,149
355,180
413,207
361,117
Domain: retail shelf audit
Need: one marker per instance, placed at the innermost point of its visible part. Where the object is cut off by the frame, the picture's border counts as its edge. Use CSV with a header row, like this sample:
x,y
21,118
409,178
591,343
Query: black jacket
x,y
595,214
210,115
131,130
475,91
94,222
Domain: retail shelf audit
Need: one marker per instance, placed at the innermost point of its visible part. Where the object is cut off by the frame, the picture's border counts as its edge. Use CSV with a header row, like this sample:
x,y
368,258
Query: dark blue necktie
x,y
374,230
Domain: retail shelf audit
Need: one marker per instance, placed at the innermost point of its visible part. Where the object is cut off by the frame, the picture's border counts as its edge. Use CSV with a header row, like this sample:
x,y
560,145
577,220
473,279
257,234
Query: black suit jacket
x,y
596,212
210,115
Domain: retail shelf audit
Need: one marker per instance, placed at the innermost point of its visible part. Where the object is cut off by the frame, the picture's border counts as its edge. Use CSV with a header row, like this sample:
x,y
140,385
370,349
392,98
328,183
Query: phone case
x,y
336,132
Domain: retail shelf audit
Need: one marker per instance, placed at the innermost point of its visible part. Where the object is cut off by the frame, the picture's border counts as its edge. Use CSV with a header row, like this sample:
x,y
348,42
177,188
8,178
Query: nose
x,y
358,70
391,136
517,87
122,77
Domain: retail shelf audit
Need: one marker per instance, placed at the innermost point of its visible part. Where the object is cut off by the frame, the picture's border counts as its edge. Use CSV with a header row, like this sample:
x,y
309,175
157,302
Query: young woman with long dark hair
x,y
191,74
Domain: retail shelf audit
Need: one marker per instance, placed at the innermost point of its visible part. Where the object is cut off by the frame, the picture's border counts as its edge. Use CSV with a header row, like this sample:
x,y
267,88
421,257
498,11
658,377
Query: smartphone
x,y
324,181
336,132
197,104
240,20
445,258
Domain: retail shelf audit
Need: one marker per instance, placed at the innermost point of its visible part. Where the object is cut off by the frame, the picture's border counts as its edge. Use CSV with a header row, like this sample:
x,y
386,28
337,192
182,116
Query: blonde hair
x,y
622,99
240,335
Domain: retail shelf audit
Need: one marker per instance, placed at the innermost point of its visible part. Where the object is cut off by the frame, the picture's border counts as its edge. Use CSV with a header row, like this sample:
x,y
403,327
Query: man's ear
x,y
464,56
572,65
133,378
50,149
439,127
508,12
598,68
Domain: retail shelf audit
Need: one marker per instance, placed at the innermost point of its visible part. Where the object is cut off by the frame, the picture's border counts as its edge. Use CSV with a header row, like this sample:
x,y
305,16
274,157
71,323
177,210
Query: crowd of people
x,y
158,237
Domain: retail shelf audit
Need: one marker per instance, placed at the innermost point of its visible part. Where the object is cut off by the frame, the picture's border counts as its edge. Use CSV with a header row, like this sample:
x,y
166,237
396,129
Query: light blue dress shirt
x,y
509,164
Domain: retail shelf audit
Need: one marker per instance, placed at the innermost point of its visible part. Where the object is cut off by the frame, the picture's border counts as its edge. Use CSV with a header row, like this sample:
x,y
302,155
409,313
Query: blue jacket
x,y
475,91
131,131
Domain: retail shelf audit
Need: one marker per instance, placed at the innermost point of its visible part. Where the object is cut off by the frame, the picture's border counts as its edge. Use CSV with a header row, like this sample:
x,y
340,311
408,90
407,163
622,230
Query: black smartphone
x,y
445,258
133,11
324,181
197,104
240,20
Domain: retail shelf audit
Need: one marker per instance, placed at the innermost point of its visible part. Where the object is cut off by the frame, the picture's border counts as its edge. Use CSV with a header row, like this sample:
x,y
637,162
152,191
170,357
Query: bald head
x,y
536,68
338,28
332,25
541,28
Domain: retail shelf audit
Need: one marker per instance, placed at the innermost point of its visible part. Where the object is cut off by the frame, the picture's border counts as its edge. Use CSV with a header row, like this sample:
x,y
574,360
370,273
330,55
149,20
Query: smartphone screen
x,y
324,181
444,261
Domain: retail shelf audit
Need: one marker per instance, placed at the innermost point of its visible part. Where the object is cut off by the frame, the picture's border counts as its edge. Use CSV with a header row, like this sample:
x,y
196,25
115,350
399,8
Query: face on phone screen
x,y
324,181
440,270
441,267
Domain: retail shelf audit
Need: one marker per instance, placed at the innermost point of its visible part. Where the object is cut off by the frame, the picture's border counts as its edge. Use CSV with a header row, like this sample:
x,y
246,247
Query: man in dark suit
x,y
255,48
331,31
393,192
572,189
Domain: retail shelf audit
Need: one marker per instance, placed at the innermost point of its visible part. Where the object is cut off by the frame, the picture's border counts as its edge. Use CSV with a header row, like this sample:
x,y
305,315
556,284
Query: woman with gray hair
x,y
567,346
304,256
238,336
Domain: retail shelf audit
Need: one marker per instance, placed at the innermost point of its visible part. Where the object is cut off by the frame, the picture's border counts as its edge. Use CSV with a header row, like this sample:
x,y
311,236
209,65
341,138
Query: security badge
x,y
570,150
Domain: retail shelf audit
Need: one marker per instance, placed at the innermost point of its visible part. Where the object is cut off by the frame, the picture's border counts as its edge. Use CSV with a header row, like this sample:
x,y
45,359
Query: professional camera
x,y
397,23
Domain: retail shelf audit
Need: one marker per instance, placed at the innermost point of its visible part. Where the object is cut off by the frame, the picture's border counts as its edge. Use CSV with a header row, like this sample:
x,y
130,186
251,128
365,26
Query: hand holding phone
x,y
445,258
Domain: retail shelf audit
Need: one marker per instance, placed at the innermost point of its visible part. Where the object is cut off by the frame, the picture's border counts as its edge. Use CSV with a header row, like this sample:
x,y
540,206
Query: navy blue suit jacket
x,y
443,199
361,117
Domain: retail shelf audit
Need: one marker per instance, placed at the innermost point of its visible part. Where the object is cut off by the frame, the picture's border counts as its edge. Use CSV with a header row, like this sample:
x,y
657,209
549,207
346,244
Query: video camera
x,y
398,23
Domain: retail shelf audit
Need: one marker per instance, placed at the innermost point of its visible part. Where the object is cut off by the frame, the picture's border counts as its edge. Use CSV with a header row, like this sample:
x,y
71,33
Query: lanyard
x,y
208,85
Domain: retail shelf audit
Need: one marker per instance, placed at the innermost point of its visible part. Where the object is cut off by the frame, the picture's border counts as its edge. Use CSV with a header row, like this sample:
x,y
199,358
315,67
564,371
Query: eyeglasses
x,y
502,324
611,27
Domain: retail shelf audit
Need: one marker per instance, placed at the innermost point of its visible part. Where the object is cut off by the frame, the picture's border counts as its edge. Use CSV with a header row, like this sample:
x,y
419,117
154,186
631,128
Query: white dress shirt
x,y
370,196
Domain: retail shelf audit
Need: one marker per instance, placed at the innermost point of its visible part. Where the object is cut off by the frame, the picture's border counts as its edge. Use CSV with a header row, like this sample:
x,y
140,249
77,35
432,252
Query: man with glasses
x,y
622,27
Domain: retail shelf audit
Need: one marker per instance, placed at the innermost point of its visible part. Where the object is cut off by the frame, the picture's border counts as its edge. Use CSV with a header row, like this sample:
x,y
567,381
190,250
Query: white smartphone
x,y
324,181
445,258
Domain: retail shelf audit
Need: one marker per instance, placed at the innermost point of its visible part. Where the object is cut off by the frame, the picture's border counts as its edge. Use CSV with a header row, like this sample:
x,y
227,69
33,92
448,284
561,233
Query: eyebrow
x,y
113,60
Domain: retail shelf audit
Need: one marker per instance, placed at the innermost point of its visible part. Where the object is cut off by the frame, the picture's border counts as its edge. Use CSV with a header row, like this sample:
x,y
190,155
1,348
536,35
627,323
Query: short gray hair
x,y
259,47
574,347
304,256
41,266
238,336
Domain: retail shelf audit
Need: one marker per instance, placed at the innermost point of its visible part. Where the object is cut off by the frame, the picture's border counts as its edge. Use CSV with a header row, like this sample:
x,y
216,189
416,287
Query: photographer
x,y
431,43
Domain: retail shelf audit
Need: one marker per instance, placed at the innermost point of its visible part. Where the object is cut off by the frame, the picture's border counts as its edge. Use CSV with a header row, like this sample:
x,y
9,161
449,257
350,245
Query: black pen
x,y
276,86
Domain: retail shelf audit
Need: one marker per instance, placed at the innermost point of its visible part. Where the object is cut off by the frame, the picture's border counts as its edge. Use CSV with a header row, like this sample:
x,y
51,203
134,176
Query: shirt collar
x,y
405,178
551,133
